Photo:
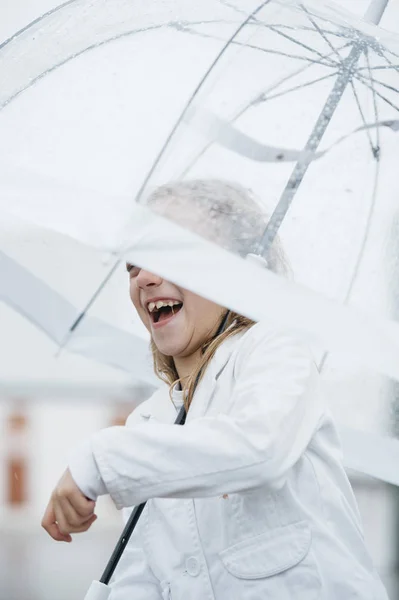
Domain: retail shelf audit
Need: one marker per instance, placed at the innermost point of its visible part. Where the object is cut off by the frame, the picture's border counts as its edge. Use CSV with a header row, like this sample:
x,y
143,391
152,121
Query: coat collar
x,y
204,393
223,354
160,407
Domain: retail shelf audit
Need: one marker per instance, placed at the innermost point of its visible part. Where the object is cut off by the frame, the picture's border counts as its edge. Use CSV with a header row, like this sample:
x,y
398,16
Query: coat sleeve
x,y
270,419
133,577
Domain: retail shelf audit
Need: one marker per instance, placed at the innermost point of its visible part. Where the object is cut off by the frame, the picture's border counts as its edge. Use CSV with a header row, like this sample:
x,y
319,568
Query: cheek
x,y
135,298
133,293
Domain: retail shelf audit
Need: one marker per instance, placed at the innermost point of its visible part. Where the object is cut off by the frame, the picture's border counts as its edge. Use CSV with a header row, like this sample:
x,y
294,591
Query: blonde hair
x,y
233,218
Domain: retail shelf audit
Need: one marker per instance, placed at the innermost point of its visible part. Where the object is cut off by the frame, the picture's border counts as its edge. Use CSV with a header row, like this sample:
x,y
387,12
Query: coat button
x,y
193,566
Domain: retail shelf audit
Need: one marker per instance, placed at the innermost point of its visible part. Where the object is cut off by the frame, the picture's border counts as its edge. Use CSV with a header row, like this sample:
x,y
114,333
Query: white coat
x,y
247,501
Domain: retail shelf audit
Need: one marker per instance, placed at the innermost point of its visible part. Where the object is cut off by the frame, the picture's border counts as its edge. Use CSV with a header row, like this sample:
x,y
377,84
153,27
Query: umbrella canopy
x,y
296,100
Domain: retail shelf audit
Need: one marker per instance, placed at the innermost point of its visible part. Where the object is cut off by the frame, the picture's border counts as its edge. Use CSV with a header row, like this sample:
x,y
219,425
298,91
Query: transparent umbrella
x,y
296,100
236,91
311,49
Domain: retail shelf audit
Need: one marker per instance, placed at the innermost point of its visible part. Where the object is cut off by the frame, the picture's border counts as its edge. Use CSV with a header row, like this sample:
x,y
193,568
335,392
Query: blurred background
x,y
48,405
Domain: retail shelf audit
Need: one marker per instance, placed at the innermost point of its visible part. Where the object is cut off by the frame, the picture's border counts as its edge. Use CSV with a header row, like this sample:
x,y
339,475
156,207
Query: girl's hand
x,y
68,511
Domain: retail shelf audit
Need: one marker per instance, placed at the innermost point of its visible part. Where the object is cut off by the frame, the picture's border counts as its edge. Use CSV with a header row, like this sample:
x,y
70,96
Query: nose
x,y
145,279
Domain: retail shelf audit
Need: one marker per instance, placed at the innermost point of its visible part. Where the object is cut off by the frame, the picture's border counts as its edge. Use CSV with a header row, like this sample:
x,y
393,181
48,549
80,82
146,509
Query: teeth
x,y
157,305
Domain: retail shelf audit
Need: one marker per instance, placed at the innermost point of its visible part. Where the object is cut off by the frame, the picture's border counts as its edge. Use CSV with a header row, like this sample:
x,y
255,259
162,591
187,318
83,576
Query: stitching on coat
x,y
154,487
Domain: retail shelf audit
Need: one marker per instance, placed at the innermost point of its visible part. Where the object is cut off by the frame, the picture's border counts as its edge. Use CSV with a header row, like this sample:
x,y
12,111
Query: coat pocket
x,y
279,562
268,553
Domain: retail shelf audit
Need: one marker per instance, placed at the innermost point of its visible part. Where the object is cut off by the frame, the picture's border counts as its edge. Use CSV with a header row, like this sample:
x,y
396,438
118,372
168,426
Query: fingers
x,y
68,511
86,525
83,506
50,525
69,520
75,513
60,524
55,533
67,489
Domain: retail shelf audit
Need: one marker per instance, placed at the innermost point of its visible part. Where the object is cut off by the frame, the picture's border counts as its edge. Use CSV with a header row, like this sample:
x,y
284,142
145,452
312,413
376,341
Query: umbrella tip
x,y
98,591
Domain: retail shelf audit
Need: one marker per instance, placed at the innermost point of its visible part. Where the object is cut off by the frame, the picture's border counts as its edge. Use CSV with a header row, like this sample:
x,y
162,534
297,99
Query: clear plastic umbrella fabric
x,y
297,101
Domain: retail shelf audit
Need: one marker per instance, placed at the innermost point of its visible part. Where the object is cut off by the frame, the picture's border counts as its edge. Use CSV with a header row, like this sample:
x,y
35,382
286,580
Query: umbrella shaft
x,y
301,167
136,512
122,543
373,15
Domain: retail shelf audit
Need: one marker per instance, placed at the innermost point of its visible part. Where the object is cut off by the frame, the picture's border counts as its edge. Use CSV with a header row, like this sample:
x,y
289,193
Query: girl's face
x,y
179,321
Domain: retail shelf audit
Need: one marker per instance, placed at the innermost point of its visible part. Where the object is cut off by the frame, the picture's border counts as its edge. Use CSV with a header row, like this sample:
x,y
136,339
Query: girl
x,y
249,499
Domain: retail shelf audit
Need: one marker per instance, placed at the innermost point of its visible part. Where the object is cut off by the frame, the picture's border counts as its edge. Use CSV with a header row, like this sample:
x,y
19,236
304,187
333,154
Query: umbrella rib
x,y
321,33
301,28
259,97
265,98
93,298
390,52
361,250
236,8
344,31
286,54
363,80
360,109
380,68
390,64
383,84
295,41
375,105
190,30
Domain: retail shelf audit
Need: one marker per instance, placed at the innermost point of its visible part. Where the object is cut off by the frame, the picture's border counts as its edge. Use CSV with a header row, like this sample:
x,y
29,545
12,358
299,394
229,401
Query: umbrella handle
x,y
98,591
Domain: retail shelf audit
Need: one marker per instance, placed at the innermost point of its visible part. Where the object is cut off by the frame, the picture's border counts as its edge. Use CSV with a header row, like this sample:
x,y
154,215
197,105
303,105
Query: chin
x,y
169,348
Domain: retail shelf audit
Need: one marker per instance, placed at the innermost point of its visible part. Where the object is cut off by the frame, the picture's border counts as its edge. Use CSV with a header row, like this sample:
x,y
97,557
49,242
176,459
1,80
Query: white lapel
x,y
161,408
207,386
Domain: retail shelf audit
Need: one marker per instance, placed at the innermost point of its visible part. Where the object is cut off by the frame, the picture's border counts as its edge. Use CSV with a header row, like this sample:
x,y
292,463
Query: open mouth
x,y
163,310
